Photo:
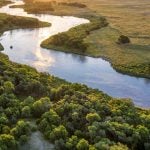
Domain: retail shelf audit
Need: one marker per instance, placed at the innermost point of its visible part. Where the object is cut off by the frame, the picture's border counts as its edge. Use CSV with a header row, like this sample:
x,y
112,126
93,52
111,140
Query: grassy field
x,y
130,18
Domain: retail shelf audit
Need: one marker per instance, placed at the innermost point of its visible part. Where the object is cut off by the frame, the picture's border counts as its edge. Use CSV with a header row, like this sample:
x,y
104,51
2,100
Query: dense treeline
x,y
73,40
72,116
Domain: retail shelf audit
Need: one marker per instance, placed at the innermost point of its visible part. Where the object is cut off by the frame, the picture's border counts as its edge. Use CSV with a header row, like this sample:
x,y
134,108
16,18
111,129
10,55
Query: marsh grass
x,y
8,22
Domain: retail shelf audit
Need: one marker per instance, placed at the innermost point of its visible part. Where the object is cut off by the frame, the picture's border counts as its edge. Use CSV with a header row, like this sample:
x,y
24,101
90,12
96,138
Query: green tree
x,y
118,146
26,111
41,106
83,145
72,142
22,128
59,132
91,117
7,142
8,87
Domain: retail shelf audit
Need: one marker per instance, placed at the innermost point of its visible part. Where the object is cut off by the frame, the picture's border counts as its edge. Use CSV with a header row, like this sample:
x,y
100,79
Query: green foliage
x,y
22,128
77,117
41,106
118,147
91,117
72,142
57,133
82,145
7,142
67,113
8,87
26,112
73,40
140,69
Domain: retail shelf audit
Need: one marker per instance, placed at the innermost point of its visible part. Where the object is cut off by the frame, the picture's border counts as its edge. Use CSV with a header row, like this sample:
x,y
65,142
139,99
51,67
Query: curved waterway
x,y
94,72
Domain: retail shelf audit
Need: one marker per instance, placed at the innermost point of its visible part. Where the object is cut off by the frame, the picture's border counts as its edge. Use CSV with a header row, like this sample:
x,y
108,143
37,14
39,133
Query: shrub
x,y
123,39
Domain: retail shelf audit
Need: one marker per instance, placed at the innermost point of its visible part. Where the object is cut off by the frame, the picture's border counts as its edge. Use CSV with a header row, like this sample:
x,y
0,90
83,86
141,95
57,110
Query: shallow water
x,y
95,72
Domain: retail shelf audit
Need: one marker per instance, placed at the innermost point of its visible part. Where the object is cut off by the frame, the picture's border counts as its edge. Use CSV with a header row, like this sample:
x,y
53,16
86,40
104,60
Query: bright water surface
x,y
94,72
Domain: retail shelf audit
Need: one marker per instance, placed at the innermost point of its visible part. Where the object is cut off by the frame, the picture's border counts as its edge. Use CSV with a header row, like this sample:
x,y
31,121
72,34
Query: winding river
x,y
94,72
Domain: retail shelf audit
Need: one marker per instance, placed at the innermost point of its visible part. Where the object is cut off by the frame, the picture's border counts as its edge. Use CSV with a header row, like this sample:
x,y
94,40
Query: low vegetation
x,y
4,2
8,22
36,7
123,39
73,40
1,47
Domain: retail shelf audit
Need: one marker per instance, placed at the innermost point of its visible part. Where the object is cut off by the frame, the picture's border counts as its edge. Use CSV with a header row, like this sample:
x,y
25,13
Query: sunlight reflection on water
x,y
94,72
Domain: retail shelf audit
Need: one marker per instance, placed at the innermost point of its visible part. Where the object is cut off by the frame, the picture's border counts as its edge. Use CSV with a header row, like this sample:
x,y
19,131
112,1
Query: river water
x,y
94,72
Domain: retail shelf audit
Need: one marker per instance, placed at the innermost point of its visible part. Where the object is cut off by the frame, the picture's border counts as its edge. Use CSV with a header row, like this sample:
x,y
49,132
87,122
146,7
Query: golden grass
x,y
130,17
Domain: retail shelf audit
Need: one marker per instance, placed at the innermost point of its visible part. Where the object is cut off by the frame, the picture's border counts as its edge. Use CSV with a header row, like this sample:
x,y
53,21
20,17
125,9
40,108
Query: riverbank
x,y
132,59
64,110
